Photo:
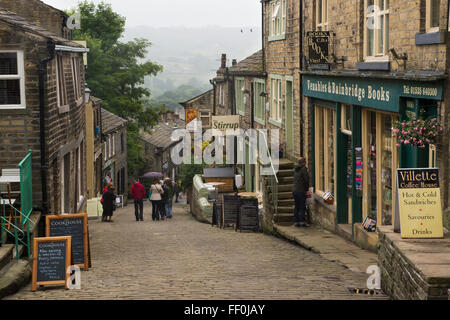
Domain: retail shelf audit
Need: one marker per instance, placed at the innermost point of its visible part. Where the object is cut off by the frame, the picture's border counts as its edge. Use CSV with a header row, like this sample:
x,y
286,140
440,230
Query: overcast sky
x,y
188,13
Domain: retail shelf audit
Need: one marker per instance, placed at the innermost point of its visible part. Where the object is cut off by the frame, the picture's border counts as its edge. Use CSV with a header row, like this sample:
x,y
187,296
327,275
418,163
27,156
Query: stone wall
x,y
401,276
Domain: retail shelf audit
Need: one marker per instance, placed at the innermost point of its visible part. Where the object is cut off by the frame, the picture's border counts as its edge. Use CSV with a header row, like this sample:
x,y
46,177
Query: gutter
x,y
42,71
71,49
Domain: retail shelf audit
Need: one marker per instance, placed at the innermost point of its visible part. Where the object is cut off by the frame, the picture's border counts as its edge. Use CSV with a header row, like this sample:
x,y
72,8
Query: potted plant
x,y
417,132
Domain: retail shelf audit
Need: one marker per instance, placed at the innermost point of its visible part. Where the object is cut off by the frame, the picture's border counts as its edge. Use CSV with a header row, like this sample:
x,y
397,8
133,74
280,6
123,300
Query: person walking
x,y
301,187
102,200
109,201
169,190
176,190
138,194
155,198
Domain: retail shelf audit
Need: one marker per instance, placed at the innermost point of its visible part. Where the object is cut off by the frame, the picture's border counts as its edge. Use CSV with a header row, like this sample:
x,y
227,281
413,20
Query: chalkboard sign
x,y
230,210
51,259
74,225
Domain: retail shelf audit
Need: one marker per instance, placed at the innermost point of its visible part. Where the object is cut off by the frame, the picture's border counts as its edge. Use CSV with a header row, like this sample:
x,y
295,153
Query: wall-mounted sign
x,y
419,203
382,94
318,44
191,114
224,123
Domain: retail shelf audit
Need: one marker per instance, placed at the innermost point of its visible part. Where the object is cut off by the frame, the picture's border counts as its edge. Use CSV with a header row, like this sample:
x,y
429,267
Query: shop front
x,y
355,153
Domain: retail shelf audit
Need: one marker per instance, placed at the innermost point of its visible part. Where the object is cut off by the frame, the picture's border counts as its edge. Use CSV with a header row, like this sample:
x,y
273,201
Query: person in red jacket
x,y
138,194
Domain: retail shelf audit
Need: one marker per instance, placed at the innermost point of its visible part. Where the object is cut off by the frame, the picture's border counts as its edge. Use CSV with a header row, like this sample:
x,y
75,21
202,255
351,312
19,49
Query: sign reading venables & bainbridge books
x,y
419,203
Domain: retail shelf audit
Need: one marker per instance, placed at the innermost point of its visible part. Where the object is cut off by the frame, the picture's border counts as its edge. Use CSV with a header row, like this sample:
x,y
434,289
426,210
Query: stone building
x,y
94,147
115,164
42,104
204,106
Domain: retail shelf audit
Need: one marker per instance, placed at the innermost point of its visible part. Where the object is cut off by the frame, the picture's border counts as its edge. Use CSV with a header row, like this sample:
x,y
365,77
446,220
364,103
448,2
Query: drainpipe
x,y
42,71
302,148
263,35
213,83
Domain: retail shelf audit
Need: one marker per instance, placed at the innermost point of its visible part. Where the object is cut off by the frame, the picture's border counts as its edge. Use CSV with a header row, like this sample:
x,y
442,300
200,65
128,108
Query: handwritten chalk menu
x,y
419,203
74,225
51,259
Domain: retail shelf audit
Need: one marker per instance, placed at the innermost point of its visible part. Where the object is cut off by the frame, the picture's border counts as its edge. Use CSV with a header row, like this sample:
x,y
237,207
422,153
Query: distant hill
x,y
191,56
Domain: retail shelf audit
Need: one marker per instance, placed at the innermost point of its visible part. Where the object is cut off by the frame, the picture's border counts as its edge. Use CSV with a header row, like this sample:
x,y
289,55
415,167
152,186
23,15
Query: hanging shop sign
x,y
318,44
382,94
419,203
191,114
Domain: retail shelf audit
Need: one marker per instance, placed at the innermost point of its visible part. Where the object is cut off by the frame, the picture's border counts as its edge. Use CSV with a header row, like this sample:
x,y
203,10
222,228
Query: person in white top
x,y
156,191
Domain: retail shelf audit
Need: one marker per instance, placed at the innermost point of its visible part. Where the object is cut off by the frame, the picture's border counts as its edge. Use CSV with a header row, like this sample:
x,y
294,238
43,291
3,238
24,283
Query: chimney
x,y
223,64
234,62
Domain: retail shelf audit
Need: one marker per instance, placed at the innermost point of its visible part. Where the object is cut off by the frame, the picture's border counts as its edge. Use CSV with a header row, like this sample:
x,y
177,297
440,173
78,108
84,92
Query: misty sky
x,y
188,13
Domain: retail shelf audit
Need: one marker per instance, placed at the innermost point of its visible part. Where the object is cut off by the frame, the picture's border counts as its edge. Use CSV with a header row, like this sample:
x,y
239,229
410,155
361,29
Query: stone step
x,y
283,217
6,254
286,209
286,180
285,173
285,164
282,196
282,188
15,275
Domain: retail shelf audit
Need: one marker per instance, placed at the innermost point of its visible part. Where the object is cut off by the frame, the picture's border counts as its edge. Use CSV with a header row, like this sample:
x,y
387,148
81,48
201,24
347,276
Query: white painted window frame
x,y
377,56
429,13
322,15
20,76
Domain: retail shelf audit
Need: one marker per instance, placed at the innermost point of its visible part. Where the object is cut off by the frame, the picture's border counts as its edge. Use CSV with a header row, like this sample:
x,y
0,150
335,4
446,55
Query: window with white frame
x,y
12,80
277,16
205,117
276,99
321,15
109,147
260,100
76,78
61,90
240,103
433,14
376,29
221,95
113,144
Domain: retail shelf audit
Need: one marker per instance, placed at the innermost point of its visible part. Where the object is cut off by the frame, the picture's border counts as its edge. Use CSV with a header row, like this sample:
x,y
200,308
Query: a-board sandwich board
x,y
75,225
51,261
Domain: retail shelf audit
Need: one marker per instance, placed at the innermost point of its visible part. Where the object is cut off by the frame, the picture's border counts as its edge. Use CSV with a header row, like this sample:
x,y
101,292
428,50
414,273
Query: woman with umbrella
x,y
155,197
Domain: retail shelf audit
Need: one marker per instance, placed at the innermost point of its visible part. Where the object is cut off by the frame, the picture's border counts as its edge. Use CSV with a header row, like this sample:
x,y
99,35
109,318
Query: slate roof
x,y
251,64
18,22
196,98
160,137
110,121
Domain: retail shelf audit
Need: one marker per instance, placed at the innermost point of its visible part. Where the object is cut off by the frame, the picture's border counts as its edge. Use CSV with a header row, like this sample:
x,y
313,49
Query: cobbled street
x,y
184,259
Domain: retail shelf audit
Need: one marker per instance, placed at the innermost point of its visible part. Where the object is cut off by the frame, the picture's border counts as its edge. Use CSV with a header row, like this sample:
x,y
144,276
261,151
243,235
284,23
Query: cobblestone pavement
x,y
184,259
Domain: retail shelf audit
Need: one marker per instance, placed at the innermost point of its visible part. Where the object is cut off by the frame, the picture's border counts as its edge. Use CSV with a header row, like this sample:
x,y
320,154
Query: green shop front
x,y
355,153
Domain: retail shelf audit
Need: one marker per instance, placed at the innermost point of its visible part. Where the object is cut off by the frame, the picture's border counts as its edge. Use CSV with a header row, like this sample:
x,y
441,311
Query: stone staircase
x,y
284,215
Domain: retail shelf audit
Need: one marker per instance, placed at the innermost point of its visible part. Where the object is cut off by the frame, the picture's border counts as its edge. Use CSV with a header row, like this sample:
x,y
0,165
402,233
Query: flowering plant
x,y
419,133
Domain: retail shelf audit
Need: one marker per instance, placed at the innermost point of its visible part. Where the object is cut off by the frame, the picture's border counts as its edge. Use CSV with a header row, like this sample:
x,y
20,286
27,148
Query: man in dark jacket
x,y
138,194
301,187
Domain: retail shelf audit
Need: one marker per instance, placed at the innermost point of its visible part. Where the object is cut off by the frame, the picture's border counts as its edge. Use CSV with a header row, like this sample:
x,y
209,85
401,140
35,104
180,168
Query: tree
x,y
116,72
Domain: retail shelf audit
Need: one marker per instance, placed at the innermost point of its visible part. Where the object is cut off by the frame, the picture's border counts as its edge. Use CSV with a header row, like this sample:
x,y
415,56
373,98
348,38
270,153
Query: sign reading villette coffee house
x,y
419,201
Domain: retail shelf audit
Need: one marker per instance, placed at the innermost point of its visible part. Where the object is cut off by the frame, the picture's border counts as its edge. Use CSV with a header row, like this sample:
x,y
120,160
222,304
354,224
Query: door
x,y
289,118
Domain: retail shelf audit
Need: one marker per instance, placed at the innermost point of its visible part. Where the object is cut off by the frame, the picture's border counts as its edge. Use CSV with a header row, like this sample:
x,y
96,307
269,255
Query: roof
x,y
110,121
250,65
196,98
18,22
218,173
160,136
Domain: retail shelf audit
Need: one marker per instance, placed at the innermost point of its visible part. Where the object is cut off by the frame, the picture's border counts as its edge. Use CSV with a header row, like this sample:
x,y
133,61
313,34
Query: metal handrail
x,y
270,156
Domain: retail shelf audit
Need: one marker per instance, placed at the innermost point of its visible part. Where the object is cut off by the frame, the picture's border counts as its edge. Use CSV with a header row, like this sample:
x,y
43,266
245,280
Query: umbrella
x,y
155,175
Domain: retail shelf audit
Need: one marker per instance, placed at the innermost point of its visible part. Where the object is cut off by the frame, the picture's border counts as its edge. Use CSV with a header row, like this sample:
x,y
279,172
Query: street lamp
x,y
87,94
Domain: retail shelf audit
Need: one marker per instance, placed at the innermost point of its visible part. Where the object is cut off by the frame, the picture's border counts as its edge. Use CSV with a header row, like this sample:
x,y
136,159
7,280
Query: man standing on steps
x,y
301,187
138,194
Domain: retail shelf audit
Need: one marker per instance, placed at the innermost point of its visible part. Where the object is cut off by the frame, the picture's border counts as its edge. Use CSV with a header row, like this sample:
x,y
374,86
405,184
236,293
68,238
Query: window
x,y
76,78
346,118
221,95
12,80
276,99
325,149
433,14
205,117
277,24
260,101
122,143
240,103
113,144
109,146
321,15
376,30
61,83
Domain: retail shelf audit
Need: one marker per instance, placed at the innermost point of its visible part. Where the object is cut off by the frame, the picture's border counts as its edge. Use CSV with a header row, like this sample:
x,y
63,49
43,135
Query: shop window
x,y
321,15
12,80
432,15
325,149
346,119
376,29
386,171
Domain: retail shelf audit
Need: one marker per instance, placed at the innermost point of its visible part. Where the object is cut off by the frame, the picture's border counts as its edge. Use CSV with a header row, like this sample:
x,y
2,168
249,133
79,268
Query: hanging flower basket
x,y
419,133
